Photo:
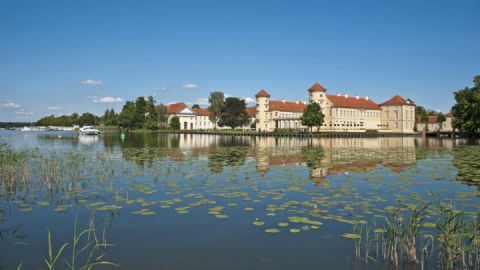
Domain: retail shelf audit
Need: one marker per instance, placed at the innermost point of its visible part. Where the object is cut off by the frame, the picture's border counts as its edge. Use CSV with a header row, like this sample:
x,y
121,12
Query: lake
x,y
182,201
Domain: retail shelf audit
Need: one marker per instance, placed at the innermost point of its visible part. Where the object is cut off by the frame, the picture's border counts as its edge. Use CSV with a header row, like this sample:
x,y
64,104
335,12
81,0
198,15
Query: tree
x,y
216,101
87,119
233,113
140,112
150,108
109,118
312,116
466,111
196,106
420,114
126,118
150,124
175,122
161,111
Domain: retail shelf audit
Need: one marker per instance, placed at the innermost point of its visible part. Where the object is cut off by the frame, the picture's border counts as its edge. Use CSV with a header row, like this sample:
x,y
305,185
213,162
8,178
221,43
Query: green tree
x,y
312,116
440,119
467,109
150,108
196,106
233,113
175,122
150,124
421,115
88,119
216,101
161,111
140,112
126,118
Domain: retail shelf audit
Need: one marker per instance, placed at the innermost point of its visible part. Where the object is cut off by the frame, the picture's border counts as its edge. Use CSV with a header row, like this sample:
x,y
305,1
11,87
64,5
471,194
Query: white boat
x,y
88,130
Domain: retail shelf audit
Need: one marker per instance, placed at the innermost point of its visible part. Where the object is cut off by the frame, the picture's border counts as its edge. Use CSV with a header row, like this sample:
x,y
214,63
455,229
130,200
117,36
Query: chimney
x,y
366,97
357,97
283,100
298,102
338,94
346,95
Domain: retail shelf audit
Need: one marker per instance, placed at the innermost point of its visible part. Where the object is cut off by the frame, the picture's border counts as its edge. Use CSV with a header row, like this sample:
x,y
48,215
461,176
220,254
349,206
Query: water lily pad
x,y
429,225
272,230
352,235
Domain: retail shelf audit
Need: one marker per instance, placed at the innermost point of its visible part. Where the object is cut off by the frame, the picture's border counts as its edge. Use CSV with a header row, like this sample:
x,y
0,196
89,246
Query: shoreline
x,y
240,133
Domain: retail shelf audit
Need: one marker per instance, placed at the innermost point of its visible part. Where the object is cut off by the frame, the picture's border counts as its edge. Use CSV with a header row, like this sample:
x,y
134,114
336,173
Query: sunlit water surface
x,y
190,201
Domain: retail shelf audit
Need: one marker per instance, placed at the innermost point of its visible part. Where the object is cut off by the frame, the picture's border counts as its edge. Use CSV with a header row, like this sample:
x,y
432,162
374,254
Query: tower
x,y
263,102
317,94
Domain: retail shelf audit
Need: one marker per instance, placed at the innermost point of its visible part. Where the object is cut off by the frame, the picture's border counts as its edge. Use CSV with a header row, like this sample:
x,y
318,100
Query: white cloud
x,y
90,82
249,100
160,88
54,108
107,99
189,86
202,101
9,106
24,113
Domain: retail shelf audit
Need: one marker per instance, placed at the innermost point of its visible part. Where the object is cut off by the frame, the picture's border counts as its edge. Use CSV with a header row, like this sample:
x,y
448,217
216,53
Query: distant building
x,y
198,118
342,113
432,124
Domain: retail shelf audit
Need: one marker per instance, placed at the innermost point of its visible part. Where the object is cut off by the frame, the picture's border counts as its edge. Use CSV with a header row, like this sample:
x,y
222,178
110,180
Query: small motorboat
x,y
88,130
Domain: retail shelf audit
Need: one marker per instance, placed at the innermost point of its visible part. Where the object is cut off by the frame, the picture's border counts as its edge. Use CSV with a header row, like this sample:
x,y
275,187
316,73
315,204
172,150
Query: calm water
x,y
190,201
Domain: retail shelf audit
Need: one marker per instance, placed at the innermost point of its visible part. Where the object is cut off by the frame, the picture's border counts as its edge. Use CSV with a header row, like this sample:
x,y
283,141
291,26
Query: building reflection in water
x,y
323,156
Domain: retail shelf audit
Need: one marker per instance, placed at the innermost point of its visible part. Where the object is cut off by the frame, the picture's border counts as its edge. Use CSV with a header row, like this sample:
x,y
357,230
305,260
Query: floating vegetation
x,y
289,189
258,223
144,212
272,230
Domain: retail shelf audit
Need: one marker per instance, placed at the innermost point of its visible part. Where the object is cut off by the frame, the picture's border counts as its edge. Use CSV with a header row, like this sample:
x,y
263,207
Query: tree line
x,y
145,112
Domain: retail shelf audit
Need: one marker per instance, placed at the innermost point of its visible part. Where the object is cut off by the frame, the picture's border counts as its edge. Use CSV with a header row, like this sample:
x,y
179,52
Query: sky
x,y
60,57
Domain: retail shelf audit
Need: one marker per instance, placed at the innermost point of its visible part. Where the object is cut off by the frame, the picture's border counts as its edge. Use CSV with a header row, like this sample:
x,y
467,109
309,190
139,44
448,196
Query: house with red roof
x,y
198,118
432,124
342,112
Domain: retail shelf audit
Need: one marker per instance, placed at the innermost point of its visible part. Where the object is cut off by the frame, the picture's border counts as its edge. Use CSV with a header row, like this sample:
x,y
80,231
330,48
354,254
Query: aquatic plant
x,y
87,250
407,242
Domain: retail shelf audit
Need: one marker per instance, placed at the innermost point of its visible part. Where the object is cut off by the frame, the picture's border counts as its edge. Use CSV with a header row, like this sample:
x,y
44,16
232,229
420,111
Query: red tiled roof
x,y
317,87
287,106
449,114
432,119
397,100
353,102
201,111
262,93
175,108
251,111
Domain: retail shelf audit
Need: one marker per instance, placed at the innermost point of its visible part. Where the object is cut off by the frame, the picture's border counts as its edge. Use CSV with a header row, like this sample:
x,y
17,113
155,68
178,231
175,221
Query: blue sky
x,y
76,56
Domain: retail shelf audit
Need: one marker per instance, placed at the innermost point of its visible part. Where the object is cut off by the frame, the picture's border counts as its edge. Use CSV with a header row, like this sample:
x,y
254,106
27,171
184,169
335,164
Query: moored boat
x,y
88,130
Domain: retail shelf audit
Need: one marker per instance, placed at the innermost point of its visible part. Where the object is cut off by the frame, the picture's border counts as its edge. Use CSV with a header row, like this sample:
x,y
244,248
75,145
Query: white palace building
x,y
342,113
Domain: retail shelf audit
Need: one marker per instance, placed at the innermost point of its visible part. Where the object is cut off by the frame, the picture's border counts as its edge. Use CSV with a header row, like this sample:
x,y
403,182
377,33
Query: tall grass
x,y
86,250
31,171
405,244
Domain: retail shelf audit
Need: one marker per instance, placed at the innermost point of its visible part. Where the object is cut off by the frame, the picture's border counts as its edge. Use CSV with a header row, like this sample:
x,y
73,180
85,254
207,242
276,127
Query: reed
x,y
404,244
86,250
